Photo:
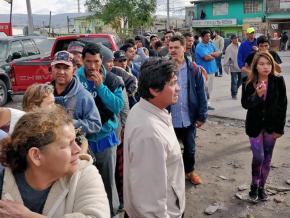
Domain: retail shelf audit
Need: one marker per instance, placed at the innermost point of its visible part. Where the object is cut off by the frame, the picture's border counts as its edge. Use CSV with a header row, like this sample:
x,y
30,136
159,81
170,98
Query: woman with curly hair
x,y
45,175
38,97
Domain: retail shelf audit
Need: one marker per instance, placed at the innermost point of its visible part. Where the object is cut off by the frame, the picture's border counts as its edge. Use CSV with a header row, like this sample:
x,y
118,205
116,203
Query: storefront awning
x,y
278,16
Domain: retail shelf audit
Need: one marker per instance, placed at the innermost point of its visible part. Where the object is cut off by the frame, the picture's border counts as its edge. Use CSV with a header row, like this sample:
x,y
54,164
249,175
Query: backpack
x,y
201,69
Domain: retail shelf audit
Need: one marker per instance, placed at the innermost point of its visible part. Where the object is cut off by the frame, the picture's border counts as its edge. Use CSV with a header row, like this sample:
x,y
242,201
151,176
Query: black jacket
x,y
131,82
270,114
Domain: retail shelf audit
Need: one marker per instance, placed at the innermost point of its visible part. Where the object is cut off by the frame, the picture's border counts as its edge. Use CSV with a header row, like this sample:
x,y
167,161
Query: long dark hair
x,y
253,76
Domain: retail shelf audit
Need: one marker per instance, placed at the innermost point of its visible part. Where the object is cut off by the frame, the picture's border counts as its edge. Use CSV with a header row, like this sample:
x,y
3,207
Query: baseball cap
x,y
250,30
76,46
63,57
120,55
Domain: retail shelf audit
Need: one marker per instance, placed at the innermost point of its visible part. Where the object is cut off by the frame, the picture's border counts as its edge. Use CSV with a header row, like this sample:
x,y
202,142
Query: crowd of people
x,y
104,136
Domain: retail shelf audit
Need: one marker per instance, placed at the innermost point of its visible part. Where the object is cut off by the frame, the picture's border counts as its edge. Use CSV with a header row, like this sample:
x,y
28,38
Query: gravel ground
x,y
224,164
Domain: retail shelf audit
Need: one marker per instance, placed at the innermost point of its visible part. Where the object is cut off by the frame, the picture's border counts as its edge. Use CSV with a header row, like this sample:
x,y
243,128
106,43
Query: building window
x,y
284,4
252,6
220,8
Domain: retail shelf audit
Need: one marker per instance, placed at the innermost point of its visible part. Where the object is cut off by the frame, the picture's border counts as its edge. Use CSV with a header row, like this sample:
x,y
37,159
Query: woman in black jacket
x,y
264,96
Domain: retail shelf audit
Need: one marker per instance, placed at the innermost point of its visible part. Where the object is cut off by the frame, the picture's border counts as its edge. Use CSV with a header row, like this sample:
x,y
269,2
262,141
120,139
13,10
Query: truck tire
x,y
3,93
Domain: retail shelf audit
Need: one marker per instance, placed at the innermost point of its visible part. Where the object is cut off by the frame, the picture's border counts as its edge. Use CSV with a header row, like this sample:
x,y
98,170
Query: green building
x,y
228,16
278,16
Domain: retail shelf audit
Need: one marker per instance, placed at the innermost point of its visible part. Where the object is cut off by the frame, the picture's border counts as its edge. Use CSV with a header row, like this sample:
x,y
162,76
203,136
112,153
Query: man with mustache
x,y
69,93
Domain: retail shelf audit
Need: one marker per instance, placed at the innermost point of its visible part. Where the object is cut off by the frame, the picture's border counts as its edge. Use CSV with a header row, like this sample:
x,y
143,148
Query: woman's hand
x,y
261,89
276,135
10,209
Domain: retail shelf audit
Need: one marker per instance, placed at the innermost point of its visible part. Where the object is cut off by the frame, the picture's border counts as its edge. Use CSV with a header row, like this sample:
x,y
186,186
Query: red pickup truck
x,y
15,78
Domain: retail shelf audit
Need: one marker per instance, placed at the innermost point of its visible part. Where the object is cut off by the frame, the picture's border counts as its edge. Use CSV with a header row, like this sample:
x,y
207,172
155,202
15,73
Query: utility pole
x,y
79,9
67,24
49,24
168,18
30,20
10,18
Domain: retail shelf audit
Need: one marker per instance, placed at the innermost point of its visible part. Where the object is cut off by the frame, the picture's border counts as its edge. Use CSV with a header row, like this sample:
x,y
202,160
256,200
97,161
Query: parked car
x,y
23,48
21,73
108,40
19,48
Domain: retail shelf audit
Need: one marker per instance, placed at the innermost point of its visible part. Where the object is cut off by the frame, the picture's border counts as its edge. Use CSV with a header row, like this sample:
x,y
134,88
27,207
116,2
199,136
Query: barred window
x,y
220,8
252,6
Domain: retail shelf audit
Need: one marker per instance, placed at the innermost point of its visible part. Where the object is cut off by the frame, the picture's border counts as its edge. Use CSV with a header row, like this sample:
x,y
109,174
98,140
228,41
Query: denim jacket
x,y
196,94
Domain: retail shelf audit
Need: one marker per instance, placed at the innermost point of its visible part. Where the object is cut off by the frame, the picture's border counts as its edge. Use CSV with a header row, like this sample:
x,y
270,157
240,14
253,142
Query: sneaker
x,y
253,194
193,178
210,108
262,194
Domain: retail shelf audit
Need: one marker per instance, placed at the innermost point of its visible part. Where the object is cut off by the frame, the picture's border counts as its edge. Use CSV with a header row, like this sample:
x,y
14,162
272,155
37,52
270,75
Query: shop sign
x,y
252,20
219,22
284,4
6,28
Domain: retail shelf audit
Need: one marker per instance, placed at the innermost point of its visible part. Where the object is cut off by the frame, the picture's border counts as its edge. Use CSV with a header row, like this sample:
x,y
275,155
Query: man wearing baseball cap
x,y
76,48
120,59
231,65
70,94
250,30
247,47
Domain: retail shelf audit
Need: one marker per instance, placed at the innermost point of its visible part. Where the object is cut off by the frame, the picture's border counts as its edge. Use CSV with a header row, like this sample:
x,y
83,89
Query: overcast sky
x,y
70,6
43,6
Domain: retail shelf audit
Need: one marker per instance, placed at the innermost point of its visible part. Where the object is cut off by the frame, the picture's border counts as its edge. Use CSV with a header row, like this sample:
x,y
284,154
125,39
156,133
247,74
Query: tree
x,y
134,13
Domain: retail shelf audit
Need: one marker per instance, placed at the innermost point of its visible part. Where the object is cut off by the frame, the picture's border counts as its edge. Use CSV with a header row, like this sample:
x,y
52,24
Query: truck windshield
x,y
3,49
104,41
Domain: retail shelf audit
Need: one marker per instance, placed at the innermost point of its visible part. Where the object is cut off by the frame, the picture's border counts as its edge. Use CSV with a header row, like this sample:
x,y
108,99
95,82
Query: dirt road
x,y
224,164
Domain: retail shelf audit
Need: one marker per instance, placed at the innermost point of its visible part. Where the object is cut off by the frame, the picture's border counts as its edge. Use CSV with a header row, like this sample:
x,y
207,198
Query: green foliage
x,y
136,13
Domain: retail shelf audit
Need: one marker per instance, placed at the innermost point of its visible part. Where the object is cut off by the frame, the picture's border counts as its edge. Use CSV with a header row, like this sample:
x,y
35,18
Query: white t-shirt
x,y
15,116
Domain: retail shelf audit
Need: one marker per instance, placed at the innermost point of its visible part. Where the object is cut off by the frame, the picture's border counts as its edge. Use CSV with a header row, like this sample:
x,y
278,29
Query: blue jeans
x,y
219,65
187,136
236,81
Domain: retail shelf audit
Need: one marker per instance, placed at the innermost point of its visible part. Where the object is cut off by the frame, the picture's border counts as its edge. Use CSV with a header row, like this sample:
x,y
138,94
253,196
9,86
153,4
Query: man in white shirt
x,y
219,44
231,65
154,180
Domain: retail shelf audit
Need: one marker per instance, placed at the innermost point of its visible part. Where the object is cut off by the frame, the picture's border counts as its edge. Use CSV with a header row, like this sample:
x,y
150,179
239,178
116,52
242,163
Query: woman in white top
x,y
8,118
